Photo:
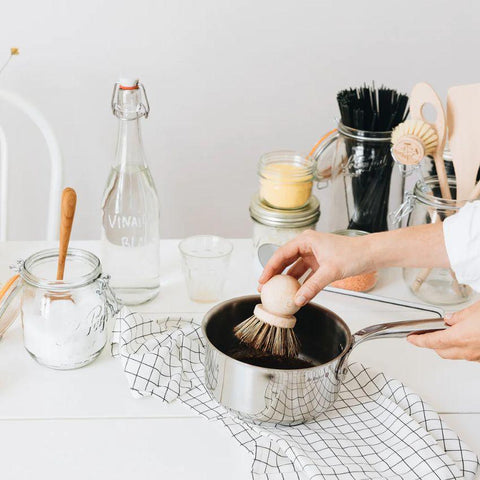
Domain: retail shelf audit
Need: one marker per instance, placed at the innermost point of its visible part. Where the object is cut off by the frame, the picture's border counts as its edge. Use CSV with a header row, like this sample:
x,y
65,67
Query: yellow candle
x,y
286,185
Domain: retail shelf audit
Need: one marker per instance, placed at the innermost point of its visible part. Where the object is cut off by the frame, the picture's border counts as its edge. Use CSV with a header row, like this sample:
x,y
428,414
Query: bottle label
x,y
126,230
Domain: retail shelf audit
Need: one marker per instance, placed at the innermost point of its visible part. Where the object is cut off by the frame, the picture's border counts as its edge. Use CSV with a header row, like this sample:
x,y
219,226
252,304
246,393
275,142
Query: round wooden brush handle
x,y
69,202
279,321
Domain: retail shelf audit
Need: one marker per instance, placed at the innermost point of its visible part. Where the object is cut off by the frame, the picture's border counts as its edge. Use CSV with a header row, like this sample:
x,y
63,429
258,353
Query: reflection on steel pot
x,y
285,393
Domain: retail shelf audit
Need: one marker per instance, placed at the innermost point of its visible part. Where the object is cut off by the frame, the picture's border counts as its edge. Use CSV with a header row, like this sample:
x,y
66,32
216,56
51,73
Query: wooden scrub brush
x,y
270,328
413,140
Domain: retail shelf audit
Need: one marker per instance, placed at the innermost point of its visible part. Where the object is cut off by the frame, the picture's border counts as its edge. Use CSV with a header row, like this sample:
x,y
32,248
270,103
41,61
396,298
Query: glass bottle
x,y
130,208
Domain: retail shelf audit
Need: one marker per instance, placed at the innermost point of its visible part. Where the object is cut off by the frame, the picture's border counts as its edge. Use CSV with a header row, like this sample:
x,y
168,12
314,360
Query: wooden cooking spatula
x,y
463,120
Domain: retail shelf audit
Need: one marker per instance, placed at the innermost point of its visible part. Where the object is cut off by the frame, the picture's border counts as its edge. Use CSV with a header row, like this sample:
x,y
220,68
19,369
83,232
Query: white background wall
x,y
227,81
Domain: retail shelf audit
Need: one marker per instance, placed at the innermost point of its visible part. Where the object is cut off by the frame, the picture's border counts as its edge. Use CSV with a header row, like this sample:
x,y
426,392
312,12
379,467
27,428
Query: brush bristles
x,y
267,338
422,130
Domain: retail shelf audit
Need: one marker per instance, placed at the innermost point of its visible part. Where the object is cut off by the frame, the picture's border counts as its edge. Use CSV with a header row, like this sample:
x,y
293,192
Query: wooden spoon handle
x,y
69,202
421,95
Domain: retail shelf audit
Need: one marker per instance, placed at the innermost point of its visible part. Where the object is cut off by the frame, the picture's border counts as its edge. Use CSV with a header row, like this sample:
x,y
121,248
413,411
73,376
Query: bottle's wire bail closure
x,y
143,108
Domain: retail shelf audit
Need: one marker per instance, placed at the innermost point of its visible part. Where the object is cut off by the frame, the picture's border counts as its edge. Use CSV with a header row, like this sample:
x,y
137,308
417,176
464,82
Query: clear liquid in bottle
x,y
130,210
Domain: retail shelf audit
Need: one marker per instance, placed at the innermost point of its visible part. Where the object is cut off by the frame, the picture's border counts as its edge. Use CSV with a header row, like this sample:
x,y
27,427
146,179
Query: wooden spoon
x,y
421,95
69,202
463,117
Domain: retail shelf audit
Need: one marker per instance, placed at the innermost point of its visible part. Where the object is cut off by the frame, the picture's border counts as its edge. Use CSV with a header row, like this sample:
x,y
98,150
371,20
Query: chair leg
x,y
56,161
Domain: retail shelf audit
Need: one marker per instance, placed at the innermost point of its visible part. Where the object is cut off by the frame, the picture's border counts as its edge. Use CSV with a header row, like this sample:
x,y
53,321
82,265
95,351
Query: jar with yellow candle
x,y
286,179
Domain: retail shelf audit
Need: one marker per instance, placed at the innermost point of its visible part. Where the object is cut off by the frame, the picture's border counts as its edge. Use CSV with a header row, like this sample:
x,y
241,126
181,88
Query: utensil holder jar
x,y
364,182
64,321
425,205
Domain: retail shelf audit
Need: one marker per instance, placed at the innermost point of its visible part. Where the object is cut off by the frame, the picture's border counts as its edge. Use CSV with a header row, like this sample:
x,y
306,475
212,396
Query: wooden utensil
x,y
423,94
463,117
67,213
69,202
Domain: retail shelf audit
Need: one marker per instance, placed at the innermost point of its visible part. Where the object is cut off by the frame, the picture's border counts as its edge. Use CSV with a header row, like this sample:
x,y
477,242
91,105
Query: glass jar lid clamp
x,y
423,193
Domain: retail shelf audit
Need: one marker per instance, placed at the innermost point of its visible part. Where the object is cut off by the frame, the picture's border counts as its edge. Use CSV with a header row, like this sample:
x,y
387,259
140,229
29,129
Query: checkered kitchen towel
x,y
377,429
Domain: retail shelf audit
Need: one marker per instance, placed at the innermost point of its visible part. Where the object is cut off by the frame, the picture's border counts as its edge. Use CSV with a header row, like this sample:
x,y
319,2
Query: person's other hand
x,y
330,257
460,341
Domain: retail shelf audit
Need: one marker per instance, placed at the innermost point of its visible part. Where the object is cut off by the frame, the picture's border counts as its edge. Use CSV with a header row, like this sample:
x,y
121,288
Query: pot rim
x,y
338,358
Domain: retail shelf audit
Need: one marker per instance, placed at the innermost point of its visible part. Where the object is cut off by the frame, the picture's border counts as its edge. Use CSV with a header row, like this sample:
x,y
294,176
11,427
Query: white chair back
x,y
56,166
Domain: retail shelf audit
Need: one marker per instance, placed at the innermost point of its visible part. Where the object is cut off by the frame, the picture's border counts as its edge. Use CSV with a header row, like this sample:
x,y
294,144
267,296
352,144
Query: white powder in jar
x,y
61,332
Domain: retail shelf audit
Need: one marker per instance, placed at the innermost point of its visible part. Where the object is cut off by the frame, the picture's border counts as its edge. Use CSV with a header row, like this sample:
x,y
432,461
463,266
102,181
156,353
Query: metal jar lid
x,y
274,217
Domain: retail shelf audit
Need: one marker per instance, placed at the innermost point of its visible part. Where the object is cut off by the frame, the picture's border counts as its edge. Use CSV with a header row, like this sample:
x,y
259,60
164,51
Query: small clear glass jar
x,y
286,179
358,283
205,260
64,321
425,205
277,227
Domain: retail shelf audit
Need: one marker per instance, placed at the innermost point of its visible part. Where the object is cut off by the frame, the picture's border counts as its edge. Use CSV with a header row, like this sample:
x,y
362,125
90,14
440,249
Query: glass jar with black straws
x,y
364,183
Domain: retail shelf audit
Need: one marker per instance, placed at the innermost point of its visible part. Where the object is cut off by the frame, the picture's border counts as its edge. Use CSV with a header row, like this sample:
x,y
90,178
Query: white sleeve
x,y
462,240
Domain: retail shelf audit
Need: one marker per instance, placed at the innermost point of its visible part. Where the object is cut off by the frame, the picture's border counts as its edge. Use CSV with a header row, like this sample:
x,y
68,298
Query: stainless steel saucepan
x,y
262,389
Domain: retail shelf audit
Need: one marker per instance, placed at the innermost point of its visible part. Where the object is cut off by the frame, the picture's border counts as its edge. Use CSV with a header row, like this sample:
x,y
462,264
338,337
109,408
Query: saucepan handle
x,y
391,330
399,329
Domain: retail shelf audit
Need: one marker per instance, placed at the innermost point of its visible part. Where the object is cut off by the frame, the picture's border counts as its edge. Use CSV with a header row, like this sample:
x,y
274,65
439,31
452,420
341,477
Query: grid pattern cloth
x,y
377,428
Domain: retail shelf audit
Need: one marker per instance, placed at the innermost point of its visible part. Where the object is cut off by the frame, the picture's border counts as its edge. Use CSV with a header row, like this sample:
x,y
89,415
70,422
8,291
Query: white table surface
x,y
85,424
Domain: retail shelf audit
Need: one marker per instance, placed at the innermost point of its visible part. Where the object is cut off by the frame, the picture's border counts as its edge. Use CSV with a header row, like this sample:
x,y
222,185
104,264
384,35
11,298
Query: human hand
x,y
460,341
330,257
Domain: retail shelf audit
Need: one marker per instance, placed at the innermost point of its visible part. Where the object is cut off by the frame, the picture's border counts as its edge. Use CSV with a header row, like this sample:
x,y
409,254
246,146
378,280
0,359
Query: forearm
x,y
420,246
